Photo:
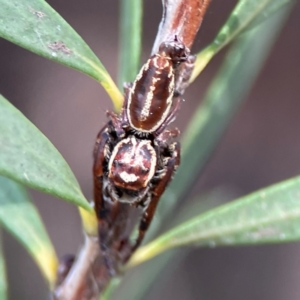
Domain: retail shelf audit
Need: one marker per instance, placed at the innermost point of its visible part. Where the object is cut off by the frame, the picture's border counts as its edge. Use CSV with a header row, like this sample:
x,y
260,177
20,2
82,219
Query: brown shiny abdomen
x,y
151,96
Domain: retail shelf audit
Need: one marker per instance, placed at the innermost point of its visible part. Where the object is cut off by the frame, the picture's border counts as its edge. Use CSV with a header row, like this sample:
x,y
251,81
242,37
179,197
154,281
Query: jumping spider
x,y
133,159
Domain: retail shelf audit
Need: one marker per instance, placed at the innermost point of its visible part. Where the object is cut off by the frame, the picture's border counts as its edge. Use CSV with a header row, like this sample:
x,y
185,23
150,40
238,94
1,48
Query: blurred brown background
x,y
262,146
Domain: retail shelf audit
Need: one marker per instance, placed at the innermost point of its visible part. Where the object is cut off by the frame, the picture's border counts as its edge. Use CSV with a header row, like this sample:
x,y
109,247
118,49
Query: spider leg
x,y
105,210
183,75
101,151
124,117
120,122
163,138
171,117
116,123
170,167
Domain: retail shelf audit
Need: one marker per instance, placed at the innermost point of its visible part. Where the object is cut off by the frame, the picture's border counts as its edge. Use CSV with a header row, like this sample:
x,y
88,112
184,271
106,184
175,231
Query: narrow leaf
x,y
147,276
3,278
109,291
34,25
89,221
20,217
28,157
130,40
271,215
247,14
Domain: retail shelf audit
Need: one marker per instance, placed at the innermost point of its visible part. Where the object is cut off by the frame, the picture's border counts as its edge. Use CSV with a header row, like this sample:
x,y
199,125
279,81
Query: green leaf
x,y
28,157
108,292
34,25
146,274
246,15
130,40
3,279
270,215
222,100
20,217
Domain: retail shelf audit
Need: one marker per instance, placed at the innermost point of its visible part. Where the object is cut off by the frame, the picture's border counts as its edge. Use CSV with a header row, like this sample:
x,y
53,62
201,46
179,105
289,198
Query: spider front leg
x,y
105,210
165,136
120,121
101,151
183,75
171,117
171,165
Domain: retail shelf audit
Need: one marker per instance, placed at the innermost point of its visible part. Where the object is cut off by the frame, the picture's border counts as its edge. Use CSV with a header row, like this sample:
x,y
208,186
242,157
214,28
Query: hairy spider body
x,y
133,159
135,172
130,168
132,163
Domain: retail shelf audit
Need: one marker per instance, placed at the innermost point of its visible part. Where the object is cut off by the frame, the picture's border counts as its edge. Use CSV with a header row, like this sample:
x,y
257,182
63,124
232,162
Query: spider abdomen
x,y
150,98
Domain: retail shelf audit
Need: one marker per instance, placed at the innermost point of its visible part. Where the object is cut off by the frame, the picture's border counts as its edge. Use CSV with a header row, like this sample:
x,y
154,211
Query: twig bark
x,y
182,18
81,282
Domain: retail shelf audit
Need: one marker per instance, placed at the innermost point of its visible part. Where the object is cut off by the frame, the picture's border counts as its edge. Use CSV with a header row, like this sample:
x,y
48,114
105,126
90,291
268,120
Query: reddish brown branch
x,y
181,18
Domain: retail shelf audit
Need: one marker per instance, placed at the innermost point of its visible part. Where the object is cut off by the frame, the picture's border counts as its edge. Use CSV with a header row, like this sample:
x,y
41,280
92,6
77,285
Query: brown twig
x,y
182,18
79,284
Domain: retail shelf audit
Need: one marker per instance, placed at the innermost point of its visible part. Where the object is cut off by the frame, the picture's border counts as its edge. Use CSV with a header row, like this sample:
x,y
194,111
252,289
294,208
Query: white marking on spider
x,y
146,109
126,177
